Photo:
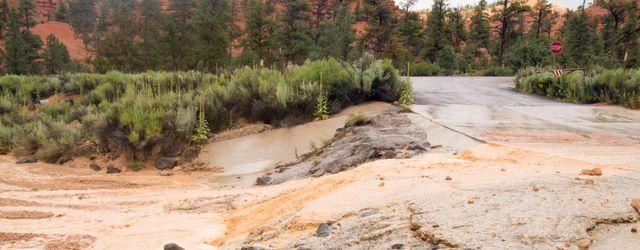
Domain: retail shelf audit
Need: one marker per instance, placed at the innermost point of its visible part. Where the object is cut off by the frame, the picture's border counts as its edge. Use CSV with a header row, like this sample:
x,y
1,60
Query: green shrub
x,y
425,69
138,110
135,166
498,71
356,120
616,86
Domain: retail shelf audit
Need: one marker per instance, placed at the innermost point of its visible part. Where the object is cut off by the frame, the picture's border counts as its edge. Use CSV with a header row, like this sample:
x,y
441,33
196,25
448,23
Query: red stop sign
x,y
556,47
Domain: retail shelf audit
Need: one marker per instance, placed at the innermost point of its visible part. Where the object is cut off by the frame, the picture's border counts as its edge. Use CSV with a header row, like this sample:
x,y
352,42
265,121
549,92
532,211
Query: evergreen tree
x,y
4,16
26,12
579,38
259,42
411,28
294,36
211,23
82,17
319,12
61,13
16,47
628,35
480,28
336,33
457,28
508,16
118,45
55,55
541,17
151,30
447,59
437,35
381,23
177,39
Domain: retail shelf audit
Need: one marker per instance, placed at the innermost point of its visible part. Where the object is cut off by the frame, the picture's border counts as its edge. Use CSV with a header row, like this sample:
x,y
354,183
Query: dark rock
x,y
397,246
172,246
368,213
165,173
27,159
95,167
172,150
263,180
252,248
165,163
388,135
64,160
190,153
324,230
113,170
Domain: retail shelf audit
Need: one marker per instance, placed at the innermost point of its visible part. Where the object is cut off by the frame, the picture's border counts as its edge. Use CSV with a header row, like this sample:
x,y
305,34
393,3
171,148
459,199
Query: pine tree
x,y
336,33
294,32
211,23
61,13
26,12
55,55
480,28
411,29
82,17
508,16
259,42
541,17
320,11
457,28
16,47
447,59
4,16
151,30
177,39
118,45
437,35
628,35
381,23
579,38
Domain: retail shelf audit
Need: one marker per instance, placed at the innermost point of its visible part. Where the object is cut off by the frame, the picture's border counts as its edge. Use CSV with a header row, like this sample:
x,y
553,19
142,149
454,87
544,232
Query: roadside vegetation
x,y
615,86
490,39
72,114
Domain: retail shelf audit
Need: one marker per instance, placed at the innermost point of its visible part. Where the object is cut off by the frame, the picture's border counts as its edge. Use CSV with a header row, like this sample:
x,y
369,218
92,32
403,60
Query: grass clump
x,y
356,120
116,112
615,86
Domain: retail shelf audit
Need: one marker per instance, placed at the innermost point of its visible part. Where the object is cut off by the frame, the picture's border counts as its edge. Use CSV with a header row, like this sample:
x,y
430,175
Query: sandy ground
x,y
523,188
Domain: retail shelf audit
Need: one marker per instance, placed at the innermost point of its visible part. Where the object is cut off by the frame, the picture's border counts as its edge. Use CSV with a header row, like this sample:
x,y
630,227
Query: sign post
x,y
556,48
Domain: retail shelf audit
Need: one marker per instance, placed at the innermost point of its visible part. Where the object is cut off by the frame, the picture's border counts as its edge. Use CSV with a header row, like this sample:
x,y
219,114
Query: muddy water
x,y
244,159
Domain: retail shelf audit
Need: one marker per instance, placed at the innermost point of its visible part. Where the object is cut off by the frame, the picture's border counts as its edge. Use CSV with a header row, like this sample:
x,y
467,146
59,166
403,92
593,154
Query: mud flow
x,y
475,165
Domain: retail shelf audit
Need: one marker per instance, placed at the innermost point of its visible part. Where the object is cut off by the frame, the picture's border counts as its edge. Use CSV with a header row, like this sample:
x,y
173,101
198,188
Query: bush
x,y
425,69
498,71
615,86
134,112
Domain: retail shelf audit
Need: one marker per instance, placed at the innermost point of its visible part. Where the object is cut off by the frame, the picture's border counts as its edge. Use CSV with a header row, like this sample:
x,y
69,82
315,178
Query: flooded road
x,y
244,159
489,108
518,185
